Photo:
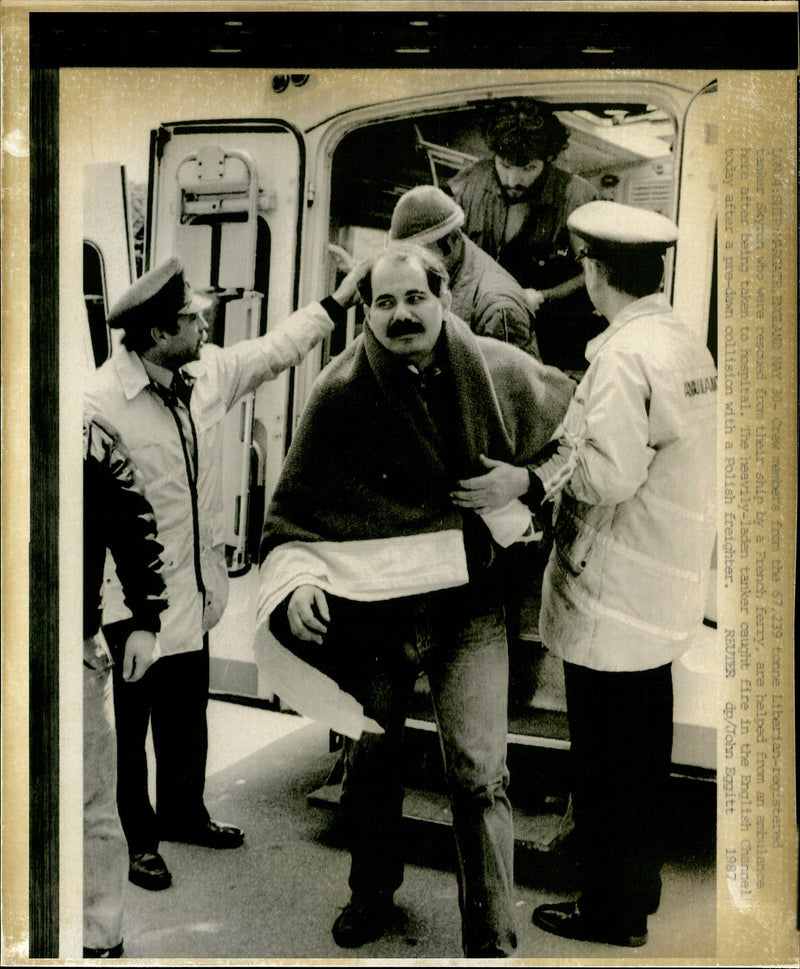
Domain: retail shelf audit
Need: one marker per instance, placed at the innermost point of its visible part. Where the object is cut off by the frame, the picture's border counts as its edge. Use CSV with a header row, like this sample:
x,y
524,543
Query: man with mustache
x,y
516,202
167,393
371,575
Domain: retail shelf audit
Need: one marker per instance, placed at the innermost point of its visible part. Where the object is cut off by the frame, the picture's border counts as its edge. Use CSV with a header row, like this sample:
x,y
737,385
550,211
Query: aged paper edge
x,y
772,123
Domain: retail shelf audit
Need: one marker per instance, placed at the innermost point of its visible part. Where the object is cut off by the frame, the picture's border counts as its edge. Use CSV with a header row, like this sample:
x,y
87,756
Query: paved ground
x,y
277,896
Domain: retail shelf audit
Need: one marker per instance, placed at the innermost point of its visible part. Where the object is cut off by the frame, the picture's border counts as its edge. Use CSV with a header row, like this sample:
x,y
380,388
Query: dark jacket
x,y
491,300
117,516
540,255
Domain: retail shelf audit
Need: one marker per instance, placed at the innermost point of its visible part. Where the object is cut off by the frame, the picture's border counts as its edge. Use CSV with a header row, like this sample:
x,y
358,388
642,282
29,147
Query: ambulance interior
x,y
624,150
377,162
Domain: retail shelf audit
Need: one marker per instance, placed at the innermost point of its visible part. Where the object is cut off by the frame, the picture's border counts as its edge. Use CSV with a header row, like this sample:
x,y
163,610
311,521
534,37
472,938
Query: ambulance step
x,y
537,832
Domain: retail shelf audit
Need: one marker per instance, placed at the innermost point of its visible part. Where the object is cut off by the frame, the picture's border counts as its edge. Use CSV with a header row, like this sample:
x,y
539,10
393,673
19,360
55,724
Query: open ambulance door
x,y
226,198
694,297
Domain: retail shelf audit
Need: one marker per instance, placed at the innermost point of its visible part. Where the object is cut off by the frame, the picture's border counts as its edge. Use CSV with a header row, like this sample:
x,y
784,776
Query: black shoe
x,y
359,923
212,834
147,870
115,952
567,920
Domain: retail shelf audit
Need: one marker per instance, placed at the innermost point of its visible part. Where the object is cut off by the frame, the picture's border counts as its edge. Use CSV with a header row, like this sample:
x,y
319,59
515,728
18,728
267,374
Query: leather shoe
x,y
362,922
567,920
212,834
147,870
115,952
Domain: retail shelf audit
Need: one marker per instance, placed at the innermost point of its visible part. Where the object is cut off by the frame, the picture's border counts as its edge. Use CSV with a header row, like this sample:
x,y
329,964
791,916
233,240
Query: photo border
x,y
40,617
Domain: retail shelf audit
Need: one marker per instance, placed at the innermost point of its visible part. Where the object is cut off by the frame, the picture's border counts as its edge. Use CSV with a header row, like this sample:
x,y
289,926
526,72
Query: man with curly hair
x,y
516,202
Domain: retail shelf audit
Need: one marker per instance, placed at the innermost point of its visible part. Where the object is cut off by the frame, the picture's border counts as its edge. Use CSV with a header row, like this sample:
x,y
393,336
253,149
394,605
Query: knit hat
x,y
425,214
160,294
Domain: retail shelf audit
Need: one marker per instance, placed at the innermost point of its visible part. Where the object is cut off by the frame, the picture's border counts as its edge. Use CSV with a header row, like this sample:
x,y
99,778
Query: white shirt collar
x,y
157,373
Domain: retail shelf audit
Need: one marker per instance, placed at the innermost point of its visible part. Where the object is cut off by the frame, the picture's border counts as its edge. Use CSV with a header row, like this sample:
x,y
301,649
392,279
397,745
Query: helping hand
x,y
346,293
140,654
534,298
496,488
344,261
308,613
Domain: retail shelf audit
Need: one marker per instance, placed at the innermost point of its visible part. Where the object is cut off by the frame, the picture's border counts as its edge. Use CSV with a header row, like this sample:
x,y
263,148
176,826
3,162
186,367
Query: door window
x,y
94,295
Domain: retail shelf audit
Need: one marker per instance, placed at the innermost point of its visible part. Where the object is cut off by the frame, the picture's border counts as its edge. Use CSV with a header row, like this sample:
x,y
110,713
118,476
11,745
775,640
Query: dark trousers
x,y
172,697
621,736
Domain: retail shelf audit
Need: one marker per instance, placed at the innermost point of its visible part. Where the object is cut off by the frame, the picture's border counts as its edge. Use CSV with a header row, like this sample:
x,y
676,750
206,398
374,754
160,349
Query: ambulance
x,y
261,172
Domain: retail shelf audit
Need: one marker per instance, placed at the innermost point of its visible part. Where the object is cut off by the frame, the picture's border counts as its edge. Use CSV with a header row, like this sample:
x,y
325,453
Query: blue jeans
x,y
105,852
458,638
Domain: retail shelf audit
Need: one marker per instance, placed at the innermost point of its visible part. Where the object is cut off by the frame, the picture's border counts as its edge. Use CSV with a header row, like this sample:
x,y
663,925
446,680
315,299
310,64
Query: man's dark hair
x,y
138,339
437,275
638,274
524,132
